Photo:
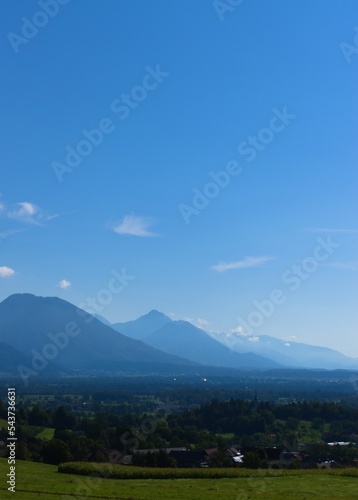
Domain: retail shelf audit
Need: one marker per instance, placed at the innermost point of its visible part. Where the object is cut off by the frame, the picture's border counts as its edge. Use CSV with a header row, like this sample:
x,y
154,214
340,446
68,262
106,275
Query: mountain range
x,y
288,352
38,333
52,336
184,339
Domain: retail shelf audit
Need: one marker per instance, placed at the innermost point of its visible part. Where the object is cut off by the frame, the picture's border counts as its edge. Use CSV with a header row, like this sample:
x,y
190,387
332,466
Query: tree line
x,y
215,424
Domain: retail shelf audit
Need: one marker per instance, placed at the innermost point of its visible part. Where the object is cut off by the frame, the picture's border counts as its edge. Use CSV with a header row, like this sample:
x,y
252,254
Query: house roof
x,y
155,450
341,443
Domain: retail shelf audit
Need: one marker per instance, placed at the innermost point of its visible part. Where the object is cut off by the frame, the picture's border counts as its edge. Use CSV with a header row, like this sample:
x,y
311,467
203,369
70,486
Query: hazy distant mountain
x,y
102,319
61,333
11,358
288,353
184,339
67,338
143,326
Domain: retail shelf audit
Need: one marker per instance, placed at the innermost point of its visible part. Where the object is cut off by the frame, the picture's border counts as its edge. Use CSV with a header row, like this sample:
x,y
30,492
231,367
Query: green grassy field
x,y
46,433
42,481
39,432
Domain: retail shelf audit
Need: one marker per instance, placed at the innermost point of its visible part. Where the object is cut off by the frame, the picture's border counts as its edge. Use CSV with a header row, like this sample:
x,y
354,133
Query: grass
x,y
114,471
46,433
41,481
3,423
226,435
39,432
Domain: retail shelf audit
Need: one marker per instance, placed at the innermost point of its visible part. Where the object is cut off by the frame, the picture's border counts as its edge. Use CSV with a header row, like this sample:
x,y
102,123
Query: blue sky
x,y
200,151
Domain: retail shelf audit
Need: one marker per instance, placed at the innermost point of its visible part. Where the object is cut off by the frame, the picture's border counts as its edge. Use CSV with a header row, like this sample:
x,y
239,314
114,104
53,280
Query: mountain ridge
x,y
143,326
31,325
291,353
52,330
288,353
183,337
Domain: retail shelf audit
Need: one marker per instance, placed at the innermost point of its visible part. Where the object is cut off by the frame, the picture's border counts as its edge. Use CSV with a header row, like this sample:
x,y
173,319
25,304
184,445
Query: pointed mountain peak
x,y
143,326
154,313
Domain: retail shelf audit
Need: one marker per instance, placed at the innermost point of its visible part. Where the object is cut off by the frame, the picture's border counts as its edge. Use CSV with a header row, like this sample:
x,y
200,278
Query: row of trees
x,y
249,423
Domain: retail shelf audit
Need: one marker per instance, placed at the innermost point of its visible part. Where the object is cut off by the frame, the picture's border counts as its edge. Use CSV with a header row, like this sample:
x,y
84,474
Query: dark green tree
x,y
55,451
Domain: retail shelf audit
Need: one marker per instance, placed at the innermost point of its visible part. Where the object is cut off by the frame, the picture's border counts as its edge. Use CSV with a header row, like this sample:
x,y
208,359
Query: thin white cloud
x,y
135,225
198,322
239,330
64,284
344,266
329,230
9,232
24,212
241,264
27,208
6,272
287,344
29,213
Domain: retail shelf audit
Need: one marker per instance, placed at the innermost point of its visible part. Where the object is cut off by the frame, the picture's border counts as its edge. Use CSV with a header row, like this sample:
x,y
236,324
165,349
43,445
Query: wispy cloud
x,y
135,225
328,230
6,272
24,212
198,322
64,284
241,264
29,213
239,330
9,232
344,266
